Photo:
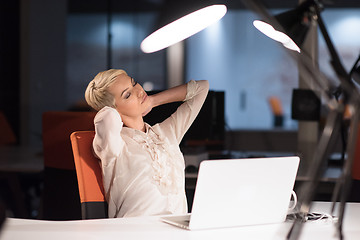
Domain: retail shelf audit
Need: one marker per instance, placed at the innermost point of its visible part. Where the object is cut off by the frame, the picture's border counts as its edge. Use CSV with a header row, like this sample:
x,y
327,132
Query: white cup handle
x,y
293,194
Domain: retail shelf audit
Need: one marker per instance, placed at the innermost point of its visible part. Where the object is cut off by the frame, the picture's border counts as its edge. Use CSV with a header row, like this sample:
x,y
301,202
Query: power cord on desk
x,y
312,217
305,217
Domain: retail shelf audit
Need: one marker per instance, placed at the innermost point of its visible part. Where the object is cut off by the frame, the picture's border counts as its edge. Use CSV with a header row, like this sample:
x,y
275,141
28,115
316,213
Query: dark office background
x,y
48,56
10,61
50,50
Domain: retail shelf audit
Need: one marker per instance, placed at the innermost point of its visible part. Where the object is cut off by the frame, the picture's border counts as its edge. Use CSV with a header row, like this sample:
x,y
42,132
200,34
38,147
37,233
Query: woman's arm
x,y
181,120
107,142
175,94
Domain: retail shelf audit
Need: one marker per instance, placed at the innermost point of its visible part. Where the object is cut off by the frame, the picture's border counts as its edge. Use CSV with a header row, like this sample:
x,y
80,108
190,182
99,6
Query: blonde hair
x,y
97,94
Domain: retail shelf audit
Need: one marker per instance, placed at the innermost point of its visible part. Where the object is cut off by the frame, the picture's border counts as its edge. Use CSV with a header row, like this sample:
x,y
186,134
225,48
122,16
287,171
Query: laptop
x,y
240,192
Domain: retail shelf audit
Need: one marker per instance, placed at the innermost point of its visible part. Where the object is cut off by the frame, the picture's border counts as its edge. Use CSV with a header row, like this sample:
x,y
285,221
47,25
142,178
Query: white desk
x,y
152,228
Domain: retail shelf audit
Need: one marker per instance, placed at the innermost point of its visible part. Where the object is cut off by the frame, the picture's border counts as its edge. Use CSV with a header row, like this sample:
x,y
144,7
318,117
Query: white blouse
x,y
143,173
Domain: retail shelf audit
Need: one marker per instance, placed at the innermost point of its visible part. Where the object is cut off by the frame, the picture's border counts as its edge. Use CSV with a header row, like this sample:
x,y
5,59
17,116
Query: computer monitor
x,y
209,124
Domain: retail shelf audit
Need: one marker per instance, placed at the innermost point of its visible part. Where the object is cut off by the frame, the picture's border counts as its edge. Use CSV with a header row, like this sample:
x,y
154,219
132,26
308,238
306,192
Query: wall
x,y
42,66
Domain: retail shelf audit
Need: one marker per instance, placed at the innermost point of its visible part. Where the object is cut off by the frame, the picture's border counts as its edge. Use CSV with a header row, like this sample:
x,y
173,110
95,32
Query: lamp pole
x,y
109,34
175,64
308,131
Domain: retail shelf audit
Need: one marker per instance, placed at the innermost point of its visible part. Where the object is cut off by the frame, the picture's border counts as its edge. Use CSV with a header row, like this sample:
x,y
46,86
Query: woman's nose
x,y
140,93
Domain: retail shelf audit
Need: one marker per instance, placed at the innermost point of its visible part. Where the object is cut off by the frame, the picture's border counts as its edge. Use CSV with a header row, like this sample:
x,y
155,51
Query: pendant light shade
x,y
289,28
180,20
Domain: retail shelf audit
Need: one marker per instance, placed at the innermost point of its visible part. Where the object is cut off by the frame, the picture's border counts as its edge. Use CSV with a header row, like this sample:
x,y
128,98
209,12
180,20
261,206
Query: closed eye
x,y
127,95
127,91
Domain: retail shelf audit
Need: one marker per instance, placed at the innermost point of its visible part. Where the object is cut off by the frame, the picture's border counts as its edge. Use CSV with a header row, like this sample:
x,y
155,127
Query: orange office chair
x,y
59,167
89,175
7,135
354,195
277,110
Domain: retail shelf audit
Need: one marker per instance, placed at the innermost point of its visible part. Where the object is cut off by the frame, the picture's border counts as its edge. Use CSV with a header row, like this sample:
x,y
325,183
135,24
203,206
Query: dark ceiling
x,y
88,6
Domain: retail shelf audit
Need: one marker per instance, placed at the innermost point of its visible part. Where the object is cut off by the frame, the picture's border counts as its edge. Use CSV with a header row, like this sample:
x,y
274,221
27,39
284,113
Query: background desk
x,y
152,228
21,170
22,159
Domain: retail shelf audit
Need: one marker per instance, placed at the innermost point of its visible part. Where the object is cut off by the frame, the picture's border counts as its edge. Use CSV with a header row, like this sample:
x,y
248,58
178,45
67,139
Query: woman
x,y
143,167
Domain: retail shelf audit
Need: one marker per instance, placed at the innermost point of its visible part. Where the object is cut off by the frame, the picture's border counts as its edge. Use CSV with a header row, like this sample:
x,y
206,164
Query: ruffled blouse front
x,y
143,172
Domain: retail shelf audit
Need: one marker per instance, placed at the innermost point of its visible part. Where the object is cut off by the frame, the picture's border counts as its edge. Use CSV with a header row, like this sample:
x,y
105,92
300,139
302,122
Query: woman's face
x,y
130,98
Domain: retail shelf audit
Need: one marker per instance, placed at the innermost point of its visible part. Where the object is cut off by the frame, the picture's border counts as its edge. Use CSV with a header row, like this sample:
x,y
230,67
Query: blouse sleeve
x,y
181,120
108,143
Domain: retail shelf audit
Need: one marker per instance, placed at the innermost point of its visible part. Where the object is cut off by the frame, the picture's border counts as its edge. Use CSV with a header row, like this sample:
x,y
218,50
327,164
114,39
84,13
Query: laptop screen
x,y
243,191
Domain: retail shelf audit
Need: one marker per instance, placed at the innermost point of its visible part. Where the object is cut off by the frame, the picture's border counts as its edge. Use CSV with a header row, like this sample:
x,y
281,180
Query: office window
x,y
249,67
343,27
87,46
234,56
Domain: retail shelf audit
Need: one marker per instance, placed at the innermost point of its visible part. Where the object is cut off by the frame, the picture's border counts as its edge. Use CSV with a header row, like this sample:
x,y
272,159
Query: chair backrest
x,y
276,106
59,168
7,135
89,175
277,110
356,165
56,129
